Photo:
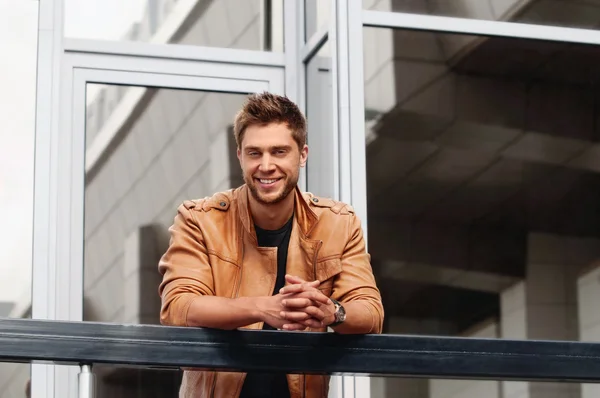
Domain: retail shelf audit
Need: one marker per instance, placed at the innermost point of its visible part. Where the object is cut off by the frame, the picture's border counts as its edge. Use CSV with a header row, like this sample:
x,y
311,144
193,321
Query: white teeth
x,y
267,181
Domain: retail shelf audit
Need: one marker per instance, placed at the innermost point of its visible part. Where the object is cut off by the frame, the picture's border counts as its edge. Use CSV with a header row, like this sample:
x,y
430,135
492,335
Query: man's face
x,y
270,161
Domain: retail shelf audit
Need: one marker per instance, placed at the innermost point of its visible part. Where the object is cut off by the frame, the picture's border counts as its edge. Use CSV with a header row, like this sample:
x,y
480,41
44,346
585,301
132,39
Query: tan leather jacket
x,y
213,251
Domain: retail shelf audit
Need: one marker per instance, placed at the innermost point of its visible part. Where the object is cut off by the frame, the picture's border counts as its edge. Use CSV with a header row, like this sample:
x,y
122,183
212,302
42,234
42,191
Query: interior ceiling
x,y
422,168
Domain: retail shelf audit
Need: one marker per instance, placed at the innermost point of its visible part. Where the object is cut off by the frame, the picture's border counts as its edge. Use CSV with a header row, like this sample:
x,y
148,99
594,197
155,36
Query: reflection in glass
x,y
483,176
176,145
248,24
317,15
574,14
392,387
319,103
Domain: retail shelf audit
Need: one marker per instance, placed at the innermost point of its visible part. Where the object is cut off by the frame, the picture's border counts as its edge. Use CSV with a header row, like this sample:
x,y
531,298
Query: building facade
x,y
465,134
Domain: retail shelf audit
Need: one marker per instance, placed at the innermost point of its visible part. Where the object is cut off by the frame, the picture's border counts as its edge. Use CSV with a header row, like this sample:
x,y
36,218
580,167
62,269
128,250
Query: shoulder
x,y
219,202
321,204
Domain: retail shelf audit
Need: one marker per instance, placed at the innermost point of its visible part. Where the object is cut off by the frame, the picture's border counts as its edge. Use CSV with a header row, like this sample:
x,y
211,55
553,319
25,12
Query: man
x,y
266,256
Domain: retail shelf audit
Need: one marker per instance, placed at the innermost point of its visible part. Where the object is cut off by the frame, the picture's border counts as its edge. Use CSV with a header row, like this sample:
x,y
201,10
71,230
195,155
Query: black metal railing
x,y
87,343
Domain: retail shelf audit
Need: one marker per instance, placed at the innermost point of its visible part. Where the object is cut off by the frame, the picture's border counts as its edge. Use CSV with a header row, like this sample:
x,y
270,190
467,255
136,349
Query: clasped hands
x,y
301,305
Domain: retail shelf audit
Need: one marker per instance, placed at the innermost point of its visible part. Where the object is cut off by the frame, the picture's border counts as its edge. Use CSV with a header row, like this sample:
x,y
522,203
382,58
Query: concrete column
x,y
143,249
469,388
409,387
544,305
588,293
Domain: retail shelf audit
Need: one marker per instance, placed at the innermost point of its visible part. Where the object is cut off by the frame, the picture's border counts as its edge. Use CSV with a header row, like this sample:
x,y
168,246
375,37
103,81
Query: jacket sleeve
x,y
356,282
185,269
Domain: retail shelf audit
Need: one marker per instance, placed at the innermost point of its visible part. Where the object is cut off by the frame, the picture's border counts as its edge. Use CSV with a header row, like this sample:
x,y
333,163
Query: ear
x,y
239,154
303,156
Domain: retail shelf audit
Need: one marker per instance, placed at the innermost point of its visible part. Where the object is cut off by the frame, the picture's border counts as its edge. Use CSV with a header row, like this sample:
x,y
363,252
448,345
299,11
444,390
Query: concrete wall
x,y
545,305
14,379
469,388
436,388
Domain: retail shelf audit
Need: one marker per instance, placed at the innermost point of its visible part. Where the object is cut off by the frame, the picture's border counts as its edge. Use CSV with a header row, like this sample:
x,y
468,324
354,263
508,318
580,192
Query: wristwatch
x,y
339,314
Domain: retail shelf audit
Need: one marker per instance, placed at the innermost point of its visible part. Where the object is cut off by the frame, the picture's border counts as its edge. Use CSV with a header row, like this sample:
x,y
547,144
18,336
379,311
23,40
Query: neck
x,y
272,216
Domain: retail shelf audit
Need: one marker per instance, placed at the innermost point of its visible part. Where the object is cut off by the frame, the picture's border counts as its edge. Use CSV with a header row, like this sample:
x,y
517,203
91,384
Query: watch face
x,y
340,313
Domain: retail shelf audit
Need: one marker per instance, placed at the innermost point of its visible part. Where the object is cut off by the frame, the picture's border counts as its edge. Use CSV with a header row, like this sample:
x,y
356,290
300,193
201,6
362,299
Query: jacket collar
x,y
304,216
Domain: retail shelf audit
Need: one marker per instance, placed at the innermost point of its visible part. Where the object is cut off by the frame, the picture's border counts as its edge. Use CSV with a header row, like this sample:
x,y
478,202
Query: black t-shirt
x,y
267,385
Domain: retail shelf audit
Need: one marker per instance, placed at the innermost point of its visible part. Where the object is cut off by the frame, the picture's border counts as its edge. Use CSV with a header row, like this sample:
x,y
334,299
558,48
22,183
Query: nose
x,y
266,164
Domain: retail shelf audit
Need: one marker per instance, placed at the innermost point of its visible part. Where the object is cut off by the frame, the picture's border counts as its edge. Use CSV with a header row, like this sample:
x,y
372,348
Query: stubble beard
x,y
290,184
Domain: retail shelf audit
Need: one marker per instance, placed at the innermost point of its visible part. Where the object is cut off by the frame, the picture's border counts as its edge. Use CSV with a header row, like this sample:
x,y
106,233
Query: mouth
x,y
267,182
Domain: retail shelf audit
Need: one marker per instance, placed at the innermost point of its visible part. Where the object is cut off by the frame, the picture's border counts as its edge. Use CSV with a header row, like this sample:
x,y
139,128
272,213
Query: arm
x,y
187,290
355,287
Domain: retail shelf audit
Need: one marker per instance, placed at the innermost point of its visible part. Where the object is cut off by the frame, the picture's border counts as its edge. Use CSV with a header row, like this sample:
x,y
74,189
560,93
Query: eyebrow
x,y
276,147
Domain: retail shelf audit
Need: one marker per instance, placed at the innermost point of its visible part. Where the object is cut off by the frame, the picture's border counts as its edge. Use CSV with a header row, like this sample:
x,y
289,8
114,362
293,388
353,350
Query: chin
x,y
271,198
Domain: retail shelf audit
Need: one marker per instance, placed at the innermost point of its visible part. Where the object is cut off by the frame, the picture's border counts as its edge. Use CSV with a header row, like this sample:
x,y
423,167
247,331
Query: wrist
x,y
258,306
339,313
253,306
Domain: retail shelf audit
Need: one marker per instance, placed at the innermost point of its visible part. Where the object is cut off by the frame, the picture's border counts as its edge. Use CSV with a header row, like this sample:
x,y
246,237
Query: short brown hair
x,y
265,108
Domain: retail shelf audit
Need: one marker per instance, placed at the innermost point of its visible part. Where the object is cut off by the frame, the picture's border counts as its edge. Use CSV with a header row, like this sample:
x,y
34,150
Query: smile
x,y
267,181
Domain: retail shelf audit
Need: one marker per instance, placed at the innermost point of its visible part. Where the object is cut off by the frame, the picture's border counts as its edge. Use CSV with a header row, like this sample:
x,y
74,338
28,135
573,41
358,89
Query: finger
x,y
294,288
294,327
297,302
299,287
294,280
306,306
294,316
315,313
316,296
313,323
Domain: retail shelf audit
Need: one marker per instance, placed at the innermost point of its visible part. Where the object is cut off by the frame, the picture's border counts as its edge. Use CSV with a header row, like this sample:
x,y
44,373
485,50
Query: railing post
x,y
87,382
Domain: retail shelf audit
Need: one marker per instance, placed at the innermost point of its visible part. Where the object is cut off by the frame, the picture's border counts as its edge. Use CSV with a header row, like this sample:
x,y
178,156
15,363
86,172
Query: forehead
x,y
273,134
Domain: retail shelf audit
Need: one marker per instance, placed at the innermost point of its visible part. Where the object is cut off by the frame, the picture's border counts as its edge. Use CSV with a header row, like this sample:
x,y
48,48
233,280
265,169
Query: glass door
x,y
138,136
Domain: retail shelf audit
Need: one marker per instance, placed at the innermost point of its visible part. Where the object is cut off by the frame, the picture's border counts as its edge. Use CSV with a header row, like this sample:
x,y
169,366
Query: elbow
x,y
174,310
377,313
378,318
364,317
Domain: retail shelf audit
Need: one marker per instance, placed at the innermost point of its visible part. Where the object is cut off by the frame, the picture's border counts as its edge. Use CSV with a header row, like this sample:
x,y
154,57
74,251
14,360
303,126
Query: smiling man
x,y
266,256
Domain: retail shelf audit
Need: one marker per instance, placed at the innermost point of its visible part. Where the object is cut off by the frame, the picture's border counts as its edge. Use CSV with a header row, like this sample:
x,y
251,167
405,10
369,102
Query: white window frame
x,y
66,66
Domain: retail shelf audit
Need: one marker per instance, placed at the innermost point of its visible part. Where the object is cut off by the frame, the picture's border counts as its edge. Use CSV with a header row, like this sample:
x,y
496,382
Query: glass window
x,y
321,166
483,173
18,46
317,16
580,14
457,388
178,145
248,24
